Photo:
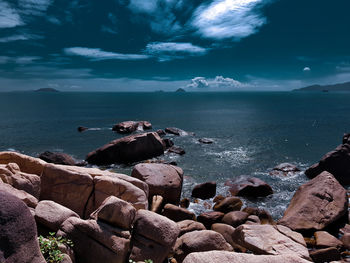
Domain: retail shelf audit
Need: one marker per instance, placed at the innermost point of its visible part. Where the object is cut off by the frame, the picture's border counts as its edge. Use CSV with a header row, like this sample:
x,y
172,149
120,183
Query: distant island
x,y
325,88
180,90
46,90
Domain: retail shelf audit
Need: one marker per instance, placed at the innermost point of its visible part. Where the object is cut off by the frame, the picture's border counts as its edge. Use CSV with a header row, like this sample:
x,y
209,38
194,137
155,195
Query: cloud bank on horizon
x,y
160,43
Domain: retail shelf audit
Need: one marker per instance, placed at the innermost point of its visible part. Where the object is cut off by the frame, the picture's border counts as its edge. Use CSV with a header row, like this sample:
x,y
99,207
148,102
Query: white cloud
x,y
54,20
19,38
21,60
142,6
98,54
216,84
34,7
223,19
8,16
306,69
172,50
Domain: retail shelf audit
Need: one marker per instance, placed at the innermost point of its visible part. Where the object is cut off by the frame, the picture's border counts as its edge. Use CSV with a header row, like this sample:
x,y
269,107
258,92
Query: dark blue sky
x,y
141,45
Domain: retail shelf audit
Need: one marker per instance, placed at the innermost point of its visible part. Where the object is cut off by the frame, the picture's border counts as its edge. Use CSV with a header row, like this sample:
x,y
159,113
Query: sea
x,y
252,131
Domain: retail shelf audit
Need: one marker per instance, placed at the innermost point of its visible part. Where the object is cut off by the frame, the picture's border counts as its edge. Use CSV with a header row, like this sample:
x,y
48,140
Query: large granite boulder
x,y
189,226
57,158
271,240
228,204
71,189
153,236
324,240
11,174
232,257
27,164
336,162
96,241
199,241
209,218
28,199
227,232
316,204
115,212
162,179
205,190
128,149
52,215
235,218
18,234
252,187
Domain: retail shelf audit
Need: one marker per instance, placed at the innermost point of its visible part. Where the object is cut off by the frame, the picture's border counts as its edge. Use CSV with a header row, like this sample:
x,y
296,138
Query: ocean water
x,y
252,131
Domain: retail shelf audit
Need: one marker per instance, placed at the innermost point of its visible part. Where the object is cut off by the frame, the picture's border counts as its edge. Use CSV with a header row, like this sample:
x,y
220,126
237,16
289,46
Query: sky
x,y
147,45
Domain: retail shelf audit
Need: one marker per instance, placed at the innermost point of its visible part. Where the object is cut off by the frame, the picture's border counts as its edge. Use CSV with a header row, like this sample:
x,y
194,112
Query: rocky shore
x,y
114,218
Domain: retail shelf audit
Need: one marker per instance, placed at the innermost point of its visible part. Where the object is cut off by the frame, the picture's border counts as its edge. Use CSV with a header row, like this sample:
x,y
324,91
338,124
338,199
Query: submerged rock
x,y
285,169
176,149
57,158
205,141
253,187
128,149
316,204
82,128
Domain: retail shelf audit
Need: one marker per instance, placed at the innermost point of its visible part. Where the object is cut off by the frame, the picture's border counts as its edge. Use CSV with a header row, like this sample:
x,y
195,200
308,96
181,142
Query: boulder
x,y
105,186
267,239
146,125
95,241
157,203
345,239
57,158
161,132
175,131
324,240
186,226
199,241
18,235
253,219
128,149
177,214
209,218
346,138
69,188
316,204
252,187
28,199
264,216
228,204
176,149
185,202
336,162
330,254
115,212
162,179
205,141
227,232
168,143
204,191
285,169
153,236
52,215
11,174
126,127
27,164
232,257
235,218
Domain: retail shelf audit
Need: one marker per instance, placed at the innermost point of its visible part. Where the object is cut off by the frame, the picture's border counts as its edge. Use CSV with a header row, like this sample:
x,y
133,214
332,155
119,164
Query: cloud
x,y
306,69
171,50
19,38
8,16
217,83
97,54
22,60
222,19
34,7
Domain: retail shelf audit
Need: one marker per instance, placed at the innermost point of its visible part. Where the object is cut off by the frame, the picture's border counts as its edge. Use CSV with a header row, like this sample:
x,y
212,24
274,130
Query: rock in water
x,y
336,162
126,127
316,204
57,158
175,131
129,149
253,187
285,169
204,191
162,179
205,141
82,128
18,235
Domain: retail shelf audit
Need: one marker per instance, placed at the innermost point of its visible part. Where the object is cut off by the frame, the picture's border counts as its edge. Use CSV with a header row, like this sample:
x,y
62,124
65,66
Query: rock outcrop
x,y
28,199
316,204
128,149
252,187
57,158
126,127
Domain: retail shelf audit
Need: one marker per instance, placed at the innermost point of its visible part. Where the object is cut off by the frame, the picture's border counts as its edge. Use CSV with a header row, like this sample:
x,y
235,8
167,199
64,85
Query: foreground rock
x,y
316,204
18,235
162,179
153,237
270,240
95,241
199,241
189,226
232,257
285,169
204,191
330,254
253,187
324,240
336,162
227,232
57,158
128,149
28,199
177,214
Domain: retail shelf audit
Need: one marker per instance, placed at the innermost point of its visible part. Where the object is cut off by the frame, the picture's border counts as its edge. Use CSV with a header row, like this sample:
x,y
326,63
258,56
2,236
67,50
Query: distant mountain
x,y
336,87
46,90
180,90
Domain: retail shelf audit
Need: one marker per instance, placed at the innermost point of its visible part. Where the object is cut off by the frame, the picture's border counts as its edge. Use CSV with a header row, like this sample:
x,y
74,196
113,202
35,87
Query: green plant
x,y
49,247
